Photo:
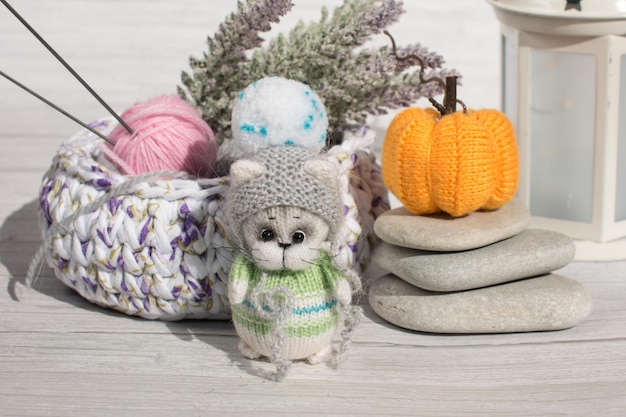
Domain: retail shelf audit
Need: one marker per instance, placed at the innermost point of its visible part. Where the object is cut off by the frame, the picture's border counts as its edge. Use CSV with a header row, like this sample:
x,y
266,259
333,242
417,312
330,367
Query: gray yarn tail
x,y
282,368
353,316
280,312
35,267
283,364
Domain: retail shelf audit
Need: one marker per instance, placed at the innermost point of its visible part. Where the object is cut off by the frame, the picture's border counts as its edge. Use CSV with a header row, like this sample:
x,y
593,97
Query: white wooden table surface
x,y
61,356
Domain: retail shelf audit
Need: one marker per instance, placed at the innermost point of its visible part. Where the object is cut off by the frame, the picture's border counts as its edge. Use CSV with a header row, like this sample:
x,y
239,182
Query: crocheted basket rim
x,y
153,245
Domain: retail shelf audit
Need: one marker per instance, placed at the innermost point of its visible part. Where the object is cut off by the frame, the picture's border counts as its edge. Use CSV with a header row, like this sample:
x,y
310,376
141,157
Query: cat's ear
x,y
244,171
323,171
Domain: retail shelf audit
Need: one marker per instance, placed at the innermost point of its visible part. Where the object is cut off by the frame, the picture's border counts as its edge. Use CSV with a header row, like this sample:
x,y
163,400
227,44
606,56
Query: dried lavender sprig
x,y
369,83
388,86
321,54
221,73
402,91
367,20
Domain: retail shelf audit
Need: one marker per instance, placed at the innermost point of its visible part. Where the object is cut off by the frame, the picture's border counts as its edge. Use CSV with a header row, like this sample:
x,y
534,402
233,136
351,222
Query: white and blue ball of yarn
x,y
276,111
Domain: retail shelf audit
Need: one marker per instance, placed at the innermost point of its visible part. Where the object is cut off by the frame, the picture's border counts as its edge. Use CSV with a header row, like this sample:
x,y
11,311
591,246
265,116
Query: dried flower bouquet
x,y
354,81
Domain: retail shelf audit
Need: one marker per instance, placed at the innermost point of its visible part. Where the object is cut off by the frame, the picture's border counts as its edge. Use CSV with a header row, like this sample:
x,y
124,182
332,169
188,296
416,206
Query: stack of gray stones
x,y
482,273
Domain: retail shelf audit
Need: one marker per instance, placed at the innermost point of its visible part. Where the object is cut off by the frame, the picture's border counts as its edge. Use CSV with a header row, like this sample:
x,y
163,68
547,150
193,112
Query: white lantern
x,y
564,88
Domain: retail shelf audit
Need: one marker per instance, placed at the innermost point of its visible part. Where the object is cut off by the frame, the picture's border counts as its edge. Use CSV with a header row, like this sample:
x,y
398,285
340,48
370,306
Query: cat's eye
x,y
298,236
267,235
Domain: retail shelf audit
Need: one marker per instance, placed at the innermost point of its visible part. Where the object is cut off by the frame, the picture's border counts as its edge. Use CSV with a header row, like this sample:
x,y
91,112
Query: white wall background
x,y
130,50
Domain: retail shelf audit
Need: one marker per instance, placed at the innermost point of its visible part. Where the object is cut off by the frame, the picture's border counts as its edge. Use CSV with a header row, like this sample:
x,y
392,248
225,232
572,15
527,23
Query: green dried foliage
x,y
328,55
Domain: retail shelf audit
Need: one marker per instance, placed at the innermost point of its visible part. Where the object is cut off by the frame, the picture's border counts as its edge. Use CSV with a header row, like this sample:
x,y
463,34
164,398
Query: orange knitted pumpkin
x,y
458,163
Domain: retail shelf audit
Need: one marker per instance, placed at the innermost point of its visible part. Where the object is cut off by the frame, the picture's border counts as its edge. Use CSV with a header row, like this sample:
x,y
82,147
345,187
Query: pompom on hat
x,y
276,111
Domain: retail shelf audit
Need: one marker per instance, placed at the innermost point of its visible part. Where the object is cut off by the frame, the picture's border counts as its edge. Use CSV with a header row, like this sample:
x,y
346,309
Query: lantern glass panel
x,y
620,192
509,77
562,125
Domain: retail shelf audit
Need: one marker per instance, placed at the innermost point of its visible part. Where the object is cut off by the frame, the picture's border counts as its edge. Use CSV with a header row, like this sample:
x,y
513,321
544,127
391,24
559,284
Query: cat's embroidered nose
x,y
284,245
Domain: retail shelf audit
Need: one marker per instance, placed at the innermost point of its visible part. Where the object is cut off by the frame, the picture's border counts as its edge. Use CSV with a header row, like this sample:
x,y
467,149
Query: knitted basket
x,y
153,245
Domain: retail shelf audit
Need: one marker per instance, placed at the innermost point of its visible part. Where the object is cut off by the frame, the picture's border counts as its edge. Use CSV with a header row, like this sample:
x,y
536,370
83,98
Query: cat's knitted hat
x,y
283,176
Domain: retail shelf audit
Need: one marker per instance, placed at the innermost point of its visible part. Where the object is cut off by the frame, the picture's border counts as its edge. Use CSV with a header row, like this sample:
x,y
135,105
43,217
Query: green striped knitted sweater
x,y
314,315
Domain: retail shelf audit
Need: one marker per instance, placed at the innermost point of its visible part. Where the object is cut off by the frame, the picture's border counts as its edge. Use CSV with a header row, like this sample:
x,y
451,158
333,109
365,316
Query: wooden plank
x,y
580,376
61,355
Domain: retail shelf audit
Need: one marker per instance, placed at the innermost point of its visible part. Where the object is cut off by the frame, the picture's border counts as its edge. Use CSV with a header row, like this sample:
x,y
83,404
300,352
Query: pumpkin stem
x,y
462,105
441,109
449,85
449,99
419,60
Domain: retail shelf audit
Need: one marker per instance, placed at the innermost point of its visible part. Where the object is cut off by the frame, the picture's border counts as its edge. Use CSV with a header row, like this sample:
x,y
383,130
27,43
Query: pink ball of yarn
x,y
168,134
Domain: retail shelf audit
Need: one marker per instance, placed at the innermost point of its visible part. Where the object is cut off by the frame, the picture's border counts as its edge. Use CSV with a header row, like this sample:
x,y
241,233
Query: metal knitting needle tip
x,y
57,108
66,65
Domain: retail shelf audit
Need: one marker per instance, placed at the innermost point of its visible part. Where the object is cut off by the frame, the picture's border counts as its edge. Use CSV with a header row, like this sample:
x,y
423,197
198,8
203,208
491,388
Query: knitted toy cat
x,y
283,211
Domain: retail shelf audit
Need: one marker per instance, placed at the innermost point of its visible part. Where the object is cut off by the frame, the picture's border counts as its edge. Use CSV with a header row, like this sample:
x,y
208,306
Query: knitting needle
x,y
67,66
57,108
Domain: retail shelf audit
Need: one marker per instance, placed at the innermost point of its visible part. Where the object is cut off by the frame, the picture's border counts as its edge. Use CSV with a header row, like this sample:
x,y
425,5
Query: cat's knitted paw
x,y
247,351
343,292
320,356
